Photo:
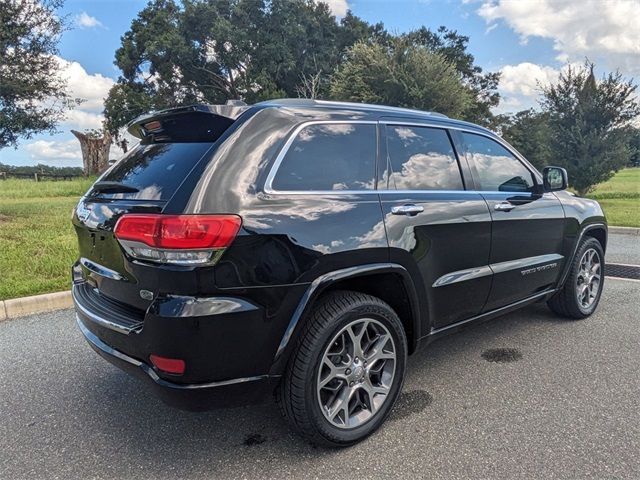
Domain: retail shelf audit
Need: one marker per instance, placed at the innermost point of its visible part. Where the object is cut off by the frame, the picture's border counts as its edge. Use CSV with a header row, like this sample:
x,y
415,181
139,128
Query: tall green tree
x,y
189,51
404,75
454,48
214,50
590,124
528,131
32,93
150,60
634,145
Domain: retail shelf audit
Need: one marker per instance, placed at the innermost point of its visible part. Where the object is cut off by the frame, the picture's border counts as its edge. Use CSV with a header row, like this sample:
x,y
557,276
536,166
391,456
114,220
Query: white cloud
x,y
48,150
604,31
526,78
338,7
520,85
84,20
80,120
92,89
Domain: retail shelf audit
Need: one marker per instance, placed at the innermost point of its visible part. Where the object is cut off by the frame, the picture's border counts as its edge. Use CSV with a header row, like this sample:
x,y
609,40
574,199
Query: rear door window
x,y
420,158
497,169
155,170
329,156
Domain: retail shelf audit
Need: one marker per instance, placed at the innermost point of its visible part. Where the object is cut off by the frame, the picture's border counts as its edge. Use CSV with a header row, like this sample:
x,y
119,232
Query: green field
x,y
620,198
37,243
38,246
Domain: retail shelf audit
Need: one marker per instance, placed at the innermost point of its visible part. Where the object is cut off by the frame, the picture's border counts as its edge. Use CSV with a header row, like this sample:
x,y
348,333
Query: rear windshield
x,y
155,170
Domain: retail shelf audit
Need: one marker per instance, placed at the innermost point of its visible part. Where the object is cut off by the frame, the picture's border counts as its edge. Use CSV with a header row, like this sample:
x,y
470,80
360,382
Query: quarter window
x,y
329,156
498,170
420,158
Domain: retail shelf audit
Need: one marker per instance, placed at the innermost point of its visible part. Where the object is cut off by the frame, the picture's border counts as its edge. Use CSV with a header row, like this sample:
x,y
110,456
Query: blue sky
x,y
529,41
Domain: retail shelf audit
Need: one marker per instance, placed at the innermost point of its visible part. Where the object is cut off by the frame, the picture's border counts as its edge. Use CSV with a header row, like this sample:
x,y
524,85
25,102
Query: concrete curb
x,y
625,230
19,307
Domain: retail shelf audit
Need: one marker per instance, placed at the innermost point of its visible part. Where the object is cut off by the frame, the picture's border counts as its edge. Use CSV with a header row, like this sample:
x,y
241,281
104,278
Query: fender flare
x,y
321,283
567,266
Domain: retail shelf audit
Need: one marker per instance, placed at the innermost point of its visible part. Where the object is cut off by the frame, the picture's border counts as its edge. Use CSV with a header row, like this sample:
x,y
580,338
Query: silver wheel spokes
x,y
356,373
588,280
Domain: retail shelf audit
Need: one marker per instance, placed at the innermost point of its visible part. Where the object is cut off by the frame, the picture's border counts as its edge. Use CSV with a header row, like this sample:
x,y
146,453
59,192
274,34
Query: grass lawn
x,y
620,198
37,242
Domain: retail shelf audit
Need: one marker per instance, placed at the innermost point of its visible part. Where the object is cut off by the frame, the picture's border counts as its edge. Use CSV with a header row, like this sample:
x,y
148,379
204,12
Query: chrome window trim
x,y
268,184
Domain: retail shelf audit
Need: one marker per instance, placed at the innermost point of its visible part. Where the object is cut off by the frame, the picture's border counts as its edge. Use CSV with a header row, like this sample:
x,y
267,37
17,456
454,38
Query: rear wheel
x,y
347,370
581,293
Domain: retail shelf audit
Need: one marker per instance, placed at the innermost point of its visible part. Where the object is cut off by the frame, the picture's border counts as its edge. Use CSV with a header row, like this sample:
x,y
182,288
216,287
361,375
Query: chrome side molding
x,y
522,263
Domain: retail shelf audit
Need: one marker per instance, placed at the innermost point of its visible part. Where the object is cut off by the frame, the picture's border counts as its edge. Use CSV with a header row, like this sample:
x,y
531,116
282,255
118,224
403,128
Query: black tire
x,y
297,395
565,303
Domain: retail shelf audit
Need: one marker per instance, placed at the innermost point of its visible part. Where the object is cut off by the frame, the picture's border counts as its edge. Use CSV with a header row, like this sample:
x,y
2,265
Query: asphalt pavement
x,y
566,405
623,249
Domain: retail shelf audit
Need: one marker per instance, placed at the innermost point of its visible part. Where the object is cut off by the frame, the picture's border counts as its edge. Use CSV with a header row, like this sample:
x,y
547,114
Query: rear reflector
x,y
174,366
179,231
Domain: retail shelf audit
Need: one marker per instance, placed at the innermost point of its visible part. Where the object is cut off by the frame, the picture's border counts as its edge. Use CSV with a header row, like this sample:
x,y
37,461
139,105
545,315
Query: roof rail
x,y
329,103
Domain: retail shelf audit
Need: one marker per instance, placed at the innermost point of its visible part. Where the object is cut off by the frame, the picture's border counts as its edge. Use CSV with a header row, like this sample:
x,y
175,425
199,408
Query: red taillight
x,y
174,366
179,231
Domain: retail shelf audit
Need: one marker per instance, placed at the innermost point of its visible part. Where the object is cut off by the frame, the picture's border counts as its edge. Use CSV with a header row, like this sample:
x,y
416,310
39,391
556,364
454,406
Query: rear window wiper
x,y
113,187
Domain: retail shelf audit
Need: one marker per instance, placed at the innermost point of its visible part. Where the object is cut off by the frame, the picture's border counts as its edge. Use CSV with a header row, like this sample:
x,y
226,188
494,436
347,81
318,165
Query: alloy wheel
x,y
356,373
588,278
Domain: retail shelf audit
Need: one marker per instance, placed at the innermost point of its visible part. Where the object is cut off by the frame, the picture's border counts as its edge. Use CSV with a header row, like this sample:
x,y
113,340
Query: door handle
x,y
408,209
504,207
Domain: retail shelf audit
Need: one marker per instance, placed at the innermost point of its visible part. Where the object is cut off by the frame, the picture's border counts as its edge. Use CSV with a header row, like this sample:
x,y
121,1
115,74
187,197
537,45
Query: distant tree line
x,y
40,168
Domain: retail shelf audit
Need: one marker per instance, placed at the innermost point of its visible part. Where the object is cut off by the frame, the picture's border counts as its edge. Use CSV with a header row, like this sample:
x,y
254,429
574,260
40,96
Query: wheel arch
x,y
393,285
598,231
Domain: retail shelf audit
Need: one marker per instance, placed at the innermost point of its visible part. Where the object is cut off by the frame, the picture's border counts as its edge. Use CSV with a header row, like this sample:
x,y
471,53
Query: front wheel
x,y
581,292
347,370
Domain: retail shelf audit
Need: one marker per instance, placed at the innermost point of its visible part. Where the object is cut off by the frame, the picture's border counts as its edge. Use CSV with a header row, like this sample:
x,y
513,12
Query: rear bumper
x,y
227,344
199,396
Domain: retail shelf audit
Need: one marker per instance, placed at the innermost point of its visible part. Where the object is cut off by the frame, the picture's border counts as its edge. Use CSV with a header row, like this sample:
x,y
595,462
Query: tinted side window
x,y
497,168
420,158
334,156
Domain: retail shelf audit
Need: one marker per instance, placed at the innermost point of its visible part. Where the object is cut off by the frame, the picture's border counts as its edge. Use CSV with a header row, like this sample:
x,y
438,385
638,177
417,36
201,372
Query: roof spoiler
x,y
196,122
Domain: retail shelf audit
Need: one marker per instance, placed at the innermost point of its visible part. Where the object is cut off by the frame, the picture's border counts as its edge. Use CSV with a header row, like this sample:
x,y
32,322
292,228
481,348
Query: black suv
x,y
306,248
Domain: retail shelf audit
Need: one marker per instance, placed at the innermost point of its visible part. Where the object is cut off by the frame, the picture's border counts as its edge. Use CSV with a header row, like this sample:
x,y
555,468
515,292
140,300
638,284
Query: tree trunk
x,y
95,152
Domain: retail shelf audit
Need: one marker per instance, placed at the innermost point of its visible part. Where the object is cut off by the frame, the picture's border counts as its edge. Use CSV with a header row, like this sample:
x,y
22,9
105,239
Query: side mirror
x,y
554,179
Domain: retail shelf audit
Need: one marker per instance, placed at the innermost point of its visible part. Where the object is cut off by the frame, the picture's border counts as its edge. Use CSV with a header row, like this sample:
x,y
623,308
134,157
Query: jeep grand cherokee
x,y
305,248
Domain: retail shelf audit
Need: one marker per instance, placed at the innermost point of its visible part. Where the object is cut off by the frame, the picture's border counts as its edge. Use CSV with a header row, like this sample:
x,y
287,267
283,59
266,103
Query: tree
x,y
528,131
634,145
95,146
196,51
454,48
590,124
210,51
32,94
402,74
